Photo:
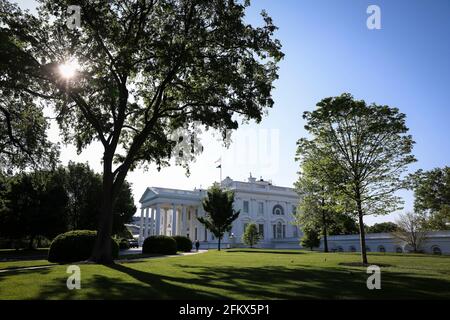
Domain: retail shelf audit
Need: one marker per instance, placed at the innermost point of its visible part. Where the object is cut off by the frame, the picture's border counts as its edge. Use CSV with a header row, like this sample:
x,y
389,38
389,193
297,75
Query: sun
x,y
69,69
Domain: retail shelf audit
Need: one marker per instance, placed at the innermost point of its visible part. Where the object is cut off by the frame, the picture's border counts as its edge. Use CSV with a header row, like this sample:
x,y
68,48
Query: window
x,y
261,230
189,215
279,231
195,233
278,210
368,249
352,249
437,250
260,208
295,231
381,249
206,236
294,209
340,249
245,206
245,227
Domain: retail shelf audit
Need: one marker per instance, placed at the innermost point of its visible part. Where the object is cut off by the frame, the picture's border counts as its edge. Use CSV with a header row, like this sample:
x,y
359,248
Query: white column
x,y
141,229
165,222
266,221
174,220
158,220
183,220
152,222
146,223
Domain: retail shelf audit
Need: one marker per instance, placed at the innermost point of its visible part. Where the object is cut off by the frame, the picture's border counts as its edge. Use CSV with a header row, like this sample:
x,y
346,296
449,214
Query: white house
x,y
174,212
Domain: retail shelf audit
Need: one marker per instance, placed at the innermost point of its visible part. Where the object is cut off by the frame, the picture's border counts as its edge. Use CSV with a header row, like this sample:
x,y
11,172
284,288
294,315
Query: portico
x,y
172,212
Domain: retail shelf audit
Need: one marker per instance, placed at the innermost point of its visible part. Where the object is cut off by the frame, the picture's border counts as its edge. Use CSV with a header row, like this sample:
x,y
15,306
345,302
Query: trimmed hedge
x,y
75,246
160,244
184,244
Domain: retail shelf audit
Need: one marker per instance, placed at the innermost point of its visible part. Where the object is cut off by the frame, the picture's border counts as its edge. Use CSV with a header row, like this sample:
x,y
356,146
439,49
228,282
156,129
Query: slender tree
x,y
135,71
411,230
251,235
370,146
220,214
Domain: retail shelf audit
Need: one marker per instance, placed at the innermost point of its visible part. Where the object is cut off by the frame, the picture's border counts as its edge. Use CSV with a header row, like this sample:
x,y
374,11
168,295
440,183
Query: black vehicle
x,y
133,243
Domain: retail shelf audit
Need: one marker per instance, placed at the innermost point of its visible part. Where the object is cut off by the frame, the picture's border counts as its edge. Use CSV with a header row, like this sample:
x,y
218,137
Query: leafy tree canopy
x,y
146,69
382,227
431,189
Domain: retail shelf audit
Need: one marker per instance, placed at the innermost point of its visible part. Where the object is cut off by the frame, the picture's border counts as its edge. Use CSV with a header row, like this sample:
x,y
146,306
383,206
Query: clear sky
x,y
329,50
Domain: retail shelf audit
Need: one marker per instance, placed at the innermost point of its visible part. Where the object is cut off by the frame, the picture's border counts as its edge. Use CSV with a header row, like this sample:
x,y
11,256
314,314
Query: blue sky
x,y
329,50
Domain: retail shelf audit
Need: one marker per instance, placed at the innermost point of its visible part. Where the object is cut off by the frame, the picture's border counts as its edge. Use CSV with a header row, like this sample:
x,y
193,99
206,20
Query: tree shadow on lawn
x,y
231,282
269,282
150,286
304,282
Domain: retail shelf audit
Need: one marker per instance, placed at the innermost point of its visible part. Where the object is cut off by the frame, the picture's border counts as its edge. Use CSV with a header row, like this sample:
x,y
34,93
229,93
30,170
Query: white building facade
x,y
435,242
174,212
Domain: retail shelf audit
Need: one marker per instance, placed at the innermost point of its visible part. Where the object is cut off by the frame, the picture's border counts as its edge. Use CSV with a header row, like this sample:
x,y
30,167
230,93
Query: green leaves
x,y
148,68
220,214
432,196
366,147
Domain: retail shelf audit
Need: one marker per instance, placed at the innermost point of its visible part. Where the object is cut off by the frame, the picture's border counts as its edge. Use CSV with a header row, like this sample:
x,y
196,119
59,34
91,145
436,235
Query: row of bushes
x,y
166,244
77,245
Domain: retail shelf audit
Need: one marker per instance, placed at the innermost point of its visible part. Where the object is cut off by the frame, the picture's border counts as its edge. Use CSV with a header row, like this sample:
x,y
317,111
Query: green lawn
x,y
239,274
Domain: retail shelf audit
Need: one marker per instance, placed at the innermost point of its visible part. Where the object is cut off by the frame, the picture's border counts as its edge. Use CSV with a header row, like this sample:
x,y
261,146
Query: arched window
x,y
436,250
381,249
352,249
278,210
399,250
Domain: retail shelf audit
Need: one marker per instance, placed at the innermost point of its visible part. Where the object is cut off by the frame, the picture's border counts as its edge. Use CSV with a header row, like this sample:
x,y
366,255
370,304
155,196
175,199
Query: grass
x,y
240,274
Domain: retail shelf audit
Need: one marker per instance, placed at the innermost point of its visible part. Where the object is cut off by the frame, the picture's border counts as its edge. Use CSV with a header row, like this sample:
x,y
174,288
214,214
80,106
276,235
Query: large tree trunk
x,y
362,234
102,252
